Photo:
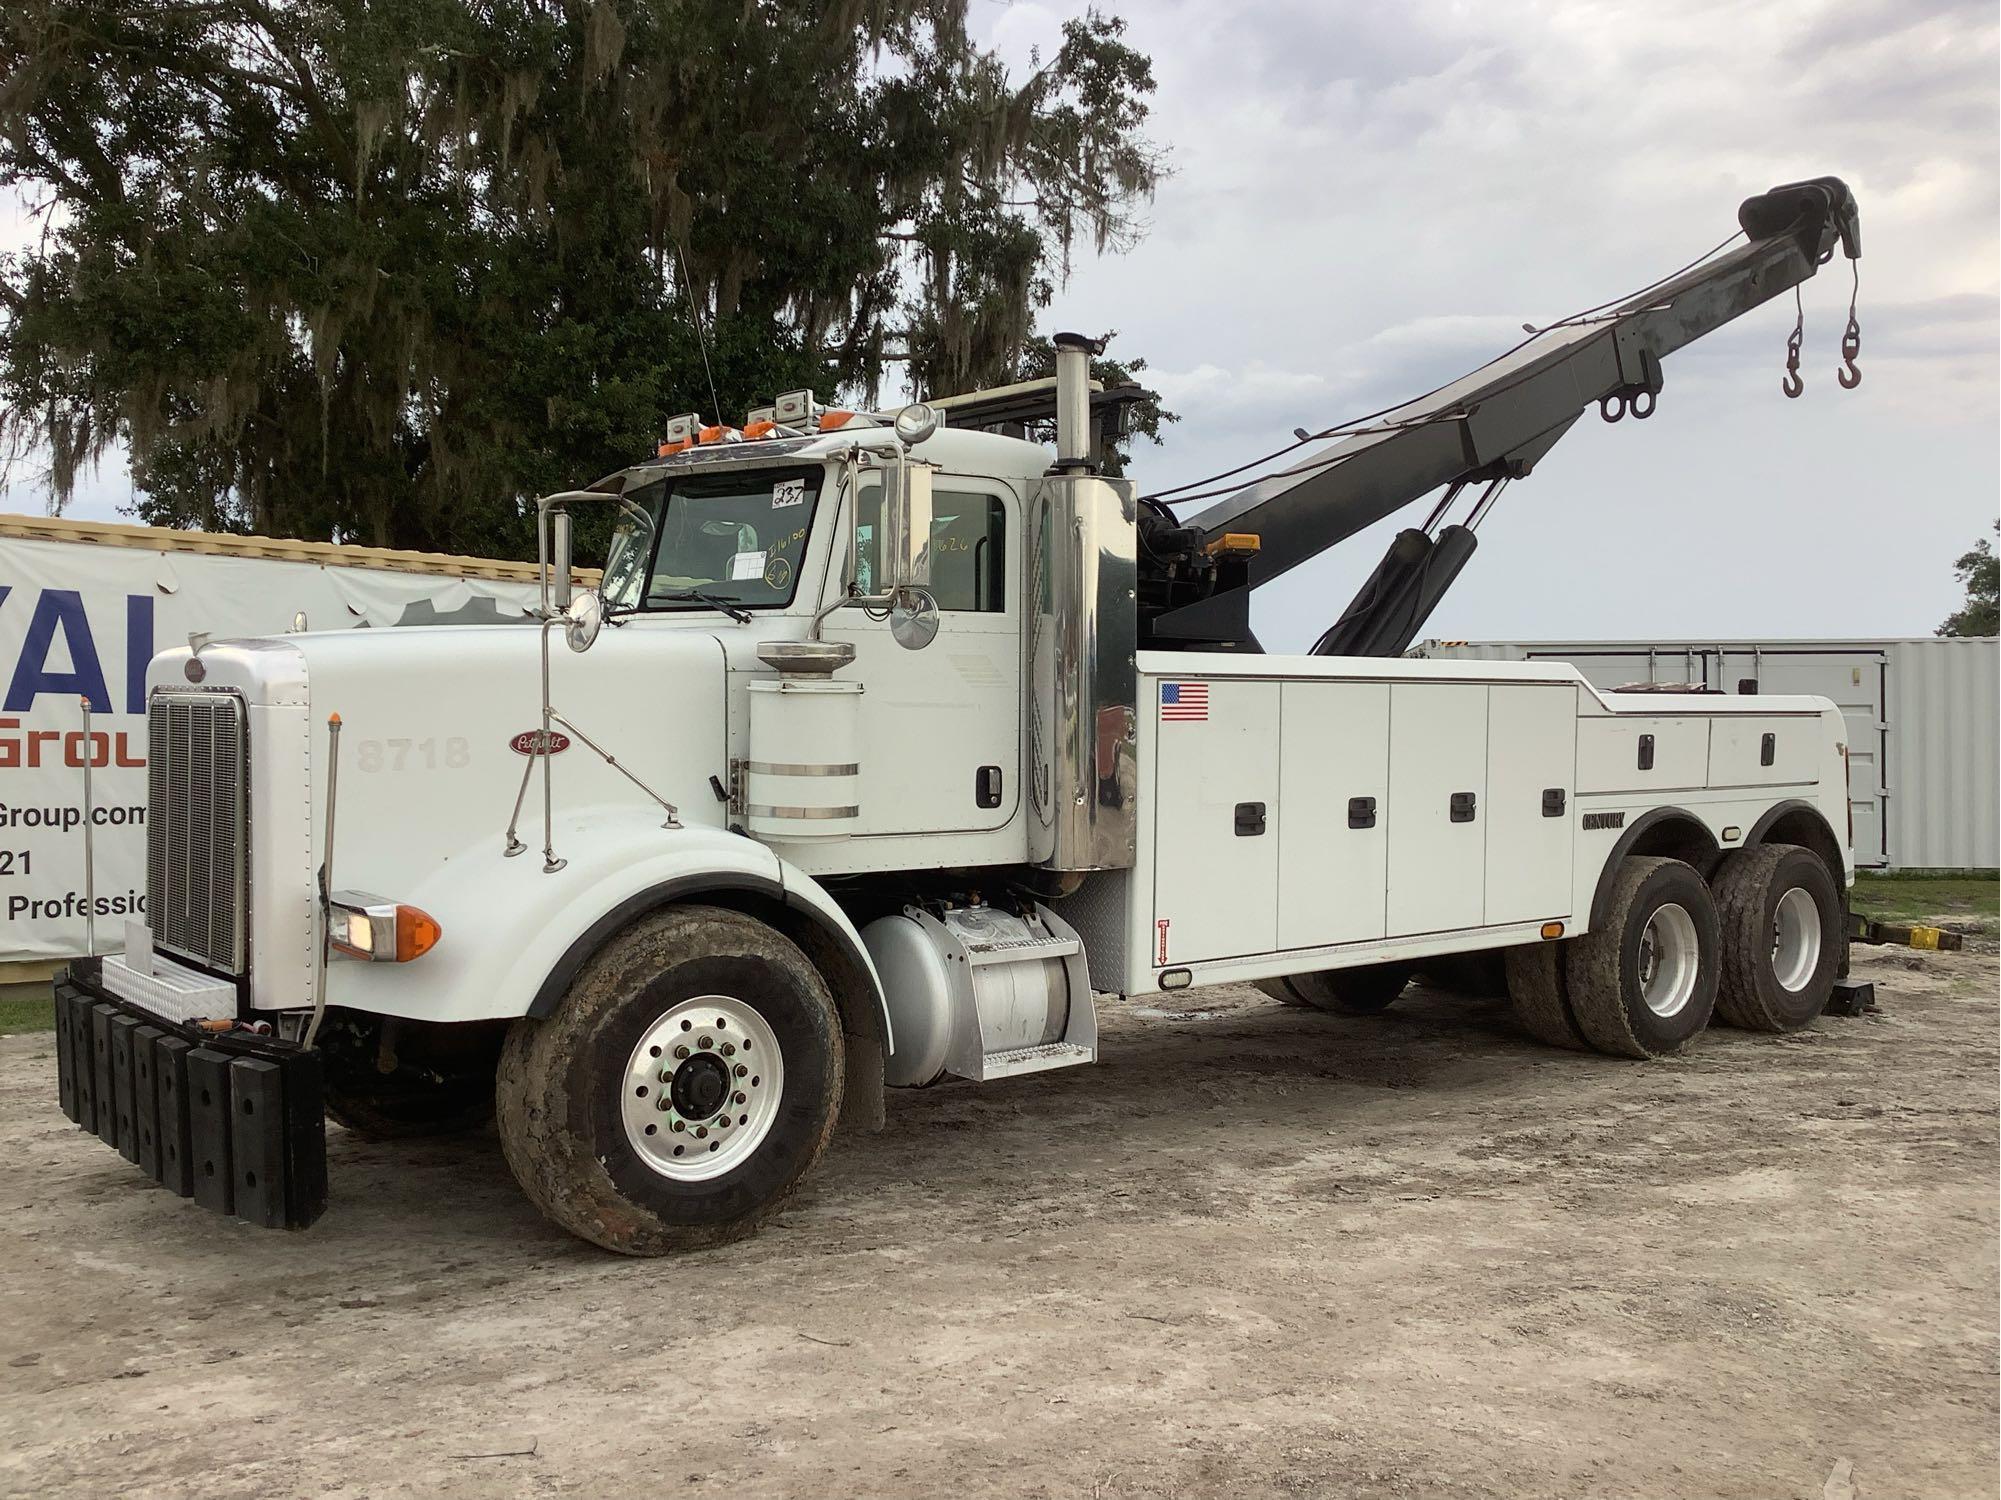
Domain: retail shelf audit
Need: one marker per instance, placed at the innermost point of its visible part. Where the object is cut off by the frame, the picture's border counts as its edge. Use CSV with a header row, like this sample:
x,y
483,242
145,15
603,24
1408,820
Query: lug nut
x,y
706,1042
739,1097
681,1051
678,1125
665,1104
741,1070
729,1049
701,1132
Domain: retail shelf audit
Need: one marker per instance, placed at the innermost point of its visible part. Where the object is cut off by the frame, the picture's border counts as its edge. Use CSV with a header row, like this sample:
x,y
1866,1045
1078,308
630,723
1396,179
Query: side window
x,y
968,548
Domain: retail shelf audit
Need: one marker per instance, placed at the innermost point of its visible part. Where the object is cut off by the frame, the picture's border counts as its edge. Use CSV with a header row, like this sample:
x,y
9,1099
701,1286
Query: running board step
x,y
1019,950
1038,1059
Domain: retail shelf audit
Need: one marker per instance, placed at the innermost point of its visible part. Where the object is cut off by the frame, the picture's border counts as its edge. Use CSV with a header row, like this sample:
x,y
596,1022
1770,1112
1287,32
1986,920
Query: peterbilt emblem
x,y
529,742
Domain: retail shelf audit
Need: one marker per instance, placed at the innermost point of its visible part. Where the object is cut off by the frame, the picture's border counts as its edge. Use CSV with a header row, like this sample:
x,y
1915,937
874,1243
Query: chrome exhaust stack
x,y
1073,403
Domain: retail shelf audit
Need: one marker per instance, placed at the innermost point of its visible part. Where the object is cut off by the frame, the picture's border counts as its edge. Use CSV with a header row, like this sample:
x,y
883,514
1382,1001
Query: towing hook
x,y
1850,375
1642,405
1613,407
1792,385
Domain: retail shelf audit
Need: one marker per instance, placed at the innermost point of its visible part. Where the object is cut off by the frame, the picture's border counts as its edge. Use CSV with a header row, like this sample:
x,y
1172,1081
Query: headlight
x,y
379,930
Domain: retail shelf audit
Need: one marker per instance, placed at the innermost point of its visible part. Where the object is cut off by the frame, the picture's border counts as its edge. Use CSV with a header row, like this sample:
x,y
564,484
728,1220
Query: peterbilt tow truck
x,y
882,745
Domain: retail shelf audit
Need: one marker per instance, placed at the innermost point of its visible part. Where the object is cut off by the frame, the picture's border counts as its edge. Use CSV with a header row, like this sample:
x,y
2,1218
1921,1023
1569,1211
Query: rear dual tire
x,y
1759,950
1642,983
1782,929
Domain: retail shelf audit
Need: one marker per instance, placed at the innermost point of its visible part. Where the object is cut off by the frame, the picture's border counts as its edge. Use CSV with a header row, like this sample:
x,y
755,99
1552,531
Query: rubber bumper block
x,y
233,1120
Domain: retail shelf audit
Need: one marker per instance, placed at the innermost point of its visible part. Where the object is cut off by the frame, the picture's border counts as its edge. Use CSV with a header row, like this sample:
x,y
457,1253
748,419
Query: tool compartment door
x,y
1215,862
1437,856
1334,780
1531,789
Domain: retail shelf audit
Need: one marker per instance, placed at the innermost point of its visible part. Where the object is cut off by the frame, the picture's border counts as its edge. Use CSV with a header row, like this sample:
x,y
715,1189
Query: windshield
x,y
736,537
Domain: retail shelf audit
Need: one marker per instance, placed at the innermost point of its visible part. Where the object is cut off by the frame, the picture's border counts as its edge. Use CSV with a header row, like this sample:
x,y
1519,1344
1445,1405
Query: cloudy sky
x,y
1368,199
1371,198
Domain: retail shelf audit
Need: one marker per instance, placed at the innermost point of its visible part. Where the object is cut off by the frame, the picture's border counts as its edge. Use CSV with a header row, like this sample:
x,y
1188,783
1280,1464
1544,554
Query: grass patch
x,y
21,1009
1903,898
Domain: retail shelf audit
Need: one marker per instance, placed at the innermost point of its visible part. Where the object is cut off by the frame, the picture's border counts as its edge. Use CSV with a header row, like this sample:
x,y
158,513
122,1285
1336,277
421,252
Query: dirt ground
x,y
1255,1251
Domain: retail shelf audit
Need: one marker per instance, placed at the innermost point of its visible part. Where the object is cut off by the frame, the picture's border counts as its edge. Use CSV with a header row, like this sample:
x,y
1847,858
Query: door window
x,y
968,548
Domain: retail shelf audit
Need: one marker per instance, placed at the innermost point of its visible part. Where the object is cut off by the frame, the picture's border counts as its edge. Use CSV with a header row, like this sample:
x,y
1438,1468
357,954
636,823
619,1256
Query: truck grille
x,y
195,827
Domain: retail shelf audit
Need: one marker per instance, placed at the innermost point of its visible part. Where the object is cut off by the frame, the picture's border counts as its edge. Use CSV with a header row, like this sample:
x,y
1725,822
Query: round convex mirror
x,y
913,619
583,619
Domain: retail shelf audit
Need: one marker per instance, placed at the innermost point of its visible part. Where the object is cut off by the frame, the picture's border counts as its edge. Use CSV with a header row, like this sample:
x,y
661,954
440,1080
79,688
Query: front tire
x,y
684,1084
1644,983
1781,921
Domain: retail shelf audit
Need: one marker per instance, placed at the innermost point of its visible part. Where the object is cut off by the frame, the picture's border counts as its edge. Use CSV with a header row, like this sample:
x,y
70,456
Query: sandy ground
x,y
1255,1251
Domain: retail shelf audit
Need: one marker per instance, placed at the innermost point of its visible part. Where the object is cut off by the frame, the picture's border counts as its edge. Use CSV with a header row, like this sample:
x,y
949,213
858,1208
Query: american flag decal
x,y
1184,702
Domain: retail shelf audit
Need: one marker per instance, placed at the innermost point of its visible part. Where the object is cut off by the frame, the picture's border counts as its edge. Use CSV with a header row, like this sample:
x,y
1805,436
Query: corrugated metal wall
x,y
1939,748
1944,767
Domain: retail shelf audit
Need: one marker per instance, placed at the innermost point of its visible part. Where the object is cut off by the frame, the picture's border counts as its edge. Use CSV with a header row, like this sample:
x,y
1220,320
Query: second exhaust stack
x,y
1073,401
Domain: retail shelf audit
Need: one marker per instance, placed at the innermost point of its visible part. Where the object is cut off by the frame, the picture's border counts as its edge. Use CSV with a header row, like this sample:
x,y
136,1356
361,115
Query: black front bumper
x,y
233,1120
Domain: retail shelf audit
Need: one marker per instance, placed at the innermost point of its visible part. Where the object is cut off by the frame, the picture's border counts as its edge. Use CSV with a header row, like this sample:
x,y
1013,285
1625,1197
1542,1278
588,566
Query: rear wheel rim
x,y
701,1089
1670,958
1795,940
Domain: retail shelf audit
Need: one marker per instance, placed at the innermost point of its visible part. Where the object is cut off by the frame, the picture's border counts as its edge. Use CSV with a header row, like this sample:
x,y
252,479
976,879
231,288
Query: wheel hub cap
x,y
702,1088
1669,959
1795,939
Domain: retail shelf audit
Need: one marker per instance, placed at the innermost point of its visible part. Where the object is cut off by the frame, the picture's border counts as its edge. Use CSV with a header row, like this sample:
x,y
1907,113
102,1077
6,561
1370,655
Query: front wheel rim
x,y
702,1087
1795,940
1670,958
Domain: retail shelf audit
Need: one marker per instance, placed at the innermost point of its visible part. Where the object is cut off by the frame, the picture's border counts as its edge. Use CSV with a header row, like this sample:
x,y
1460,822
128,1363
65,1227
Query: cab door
x,y
941,726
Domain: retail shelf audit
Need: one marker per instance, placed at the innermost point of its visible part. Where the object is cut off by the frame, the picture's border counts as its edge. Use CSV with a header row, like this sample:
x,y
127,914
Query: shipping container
x,y
1924,718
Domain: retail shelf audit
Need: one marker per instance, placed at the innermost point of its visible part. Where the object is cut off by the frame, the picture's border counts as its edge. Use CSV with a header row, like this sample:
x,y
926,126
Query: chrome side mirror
x,y
906,526
584,619
560,588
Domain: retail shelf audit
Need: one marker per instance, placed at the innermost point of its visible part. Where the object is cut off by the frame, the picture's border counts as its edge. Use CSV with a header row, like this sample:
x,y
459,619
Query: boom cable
x,y
1161,497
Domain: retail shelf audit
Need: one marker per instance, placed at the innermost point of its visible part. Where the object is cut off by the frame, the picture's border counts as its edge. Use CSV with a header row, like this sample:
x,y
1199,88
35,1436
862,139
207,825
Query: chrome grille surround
x,y
196,855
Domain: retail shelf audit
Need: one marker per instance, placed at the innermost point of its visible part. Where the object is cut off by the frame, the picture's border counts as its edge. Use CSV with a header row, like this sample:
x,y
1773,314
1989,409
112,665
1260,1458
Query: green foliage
x,y
379,270
1980,571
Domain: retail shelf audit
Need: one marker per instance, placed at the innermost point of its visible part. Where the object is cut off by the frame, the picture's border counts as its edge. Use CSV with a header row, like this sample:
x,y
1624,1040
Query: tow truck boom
x,y
1487,427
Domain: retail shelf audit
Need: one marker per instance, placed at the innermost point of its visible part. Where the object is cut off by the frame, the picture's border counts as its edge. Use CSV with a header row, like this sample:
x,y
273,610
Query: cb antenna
x,y
701,339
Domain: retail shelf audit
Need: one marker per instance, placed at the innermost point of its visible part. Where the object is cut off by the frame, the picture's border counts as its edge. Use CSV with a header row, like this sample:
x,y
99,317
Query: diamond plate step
x,y
1038,1059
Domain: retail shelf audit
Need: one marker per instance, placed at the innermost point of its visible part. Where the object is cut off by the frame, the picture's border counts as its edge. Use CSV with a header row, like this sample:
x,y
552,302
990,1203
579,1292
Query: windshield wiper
x,y
696,596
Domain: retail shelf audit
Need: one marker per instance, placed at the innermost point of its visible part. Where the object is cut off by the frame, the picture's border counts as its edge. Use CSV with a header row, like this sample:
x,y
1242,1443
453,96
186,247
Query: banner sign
x,y
81,620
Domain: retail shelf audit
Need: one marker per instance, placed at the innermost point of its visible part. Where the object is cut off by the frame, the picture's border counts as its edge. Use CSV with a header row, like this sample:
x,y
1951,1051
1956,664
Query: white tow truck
x,y
881,747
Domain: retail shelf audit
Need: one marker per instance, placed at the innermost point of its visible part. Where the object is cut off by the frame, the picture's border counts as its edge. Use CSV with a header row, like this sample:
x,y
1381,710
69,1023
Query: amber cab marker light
x,y
1552,929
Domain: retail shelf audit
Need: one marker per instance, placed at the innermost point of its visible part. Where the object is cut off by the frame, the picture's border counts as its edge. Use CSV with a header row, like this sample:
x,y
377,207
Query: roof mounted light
x,y
795,409
916,422
683,430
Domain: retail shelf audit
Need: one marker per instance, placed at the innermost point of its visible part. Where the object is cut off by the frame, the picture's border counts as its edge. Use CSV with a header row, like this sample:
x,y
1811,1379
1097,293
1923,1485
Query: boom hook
x,y
1849,374
1792,385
